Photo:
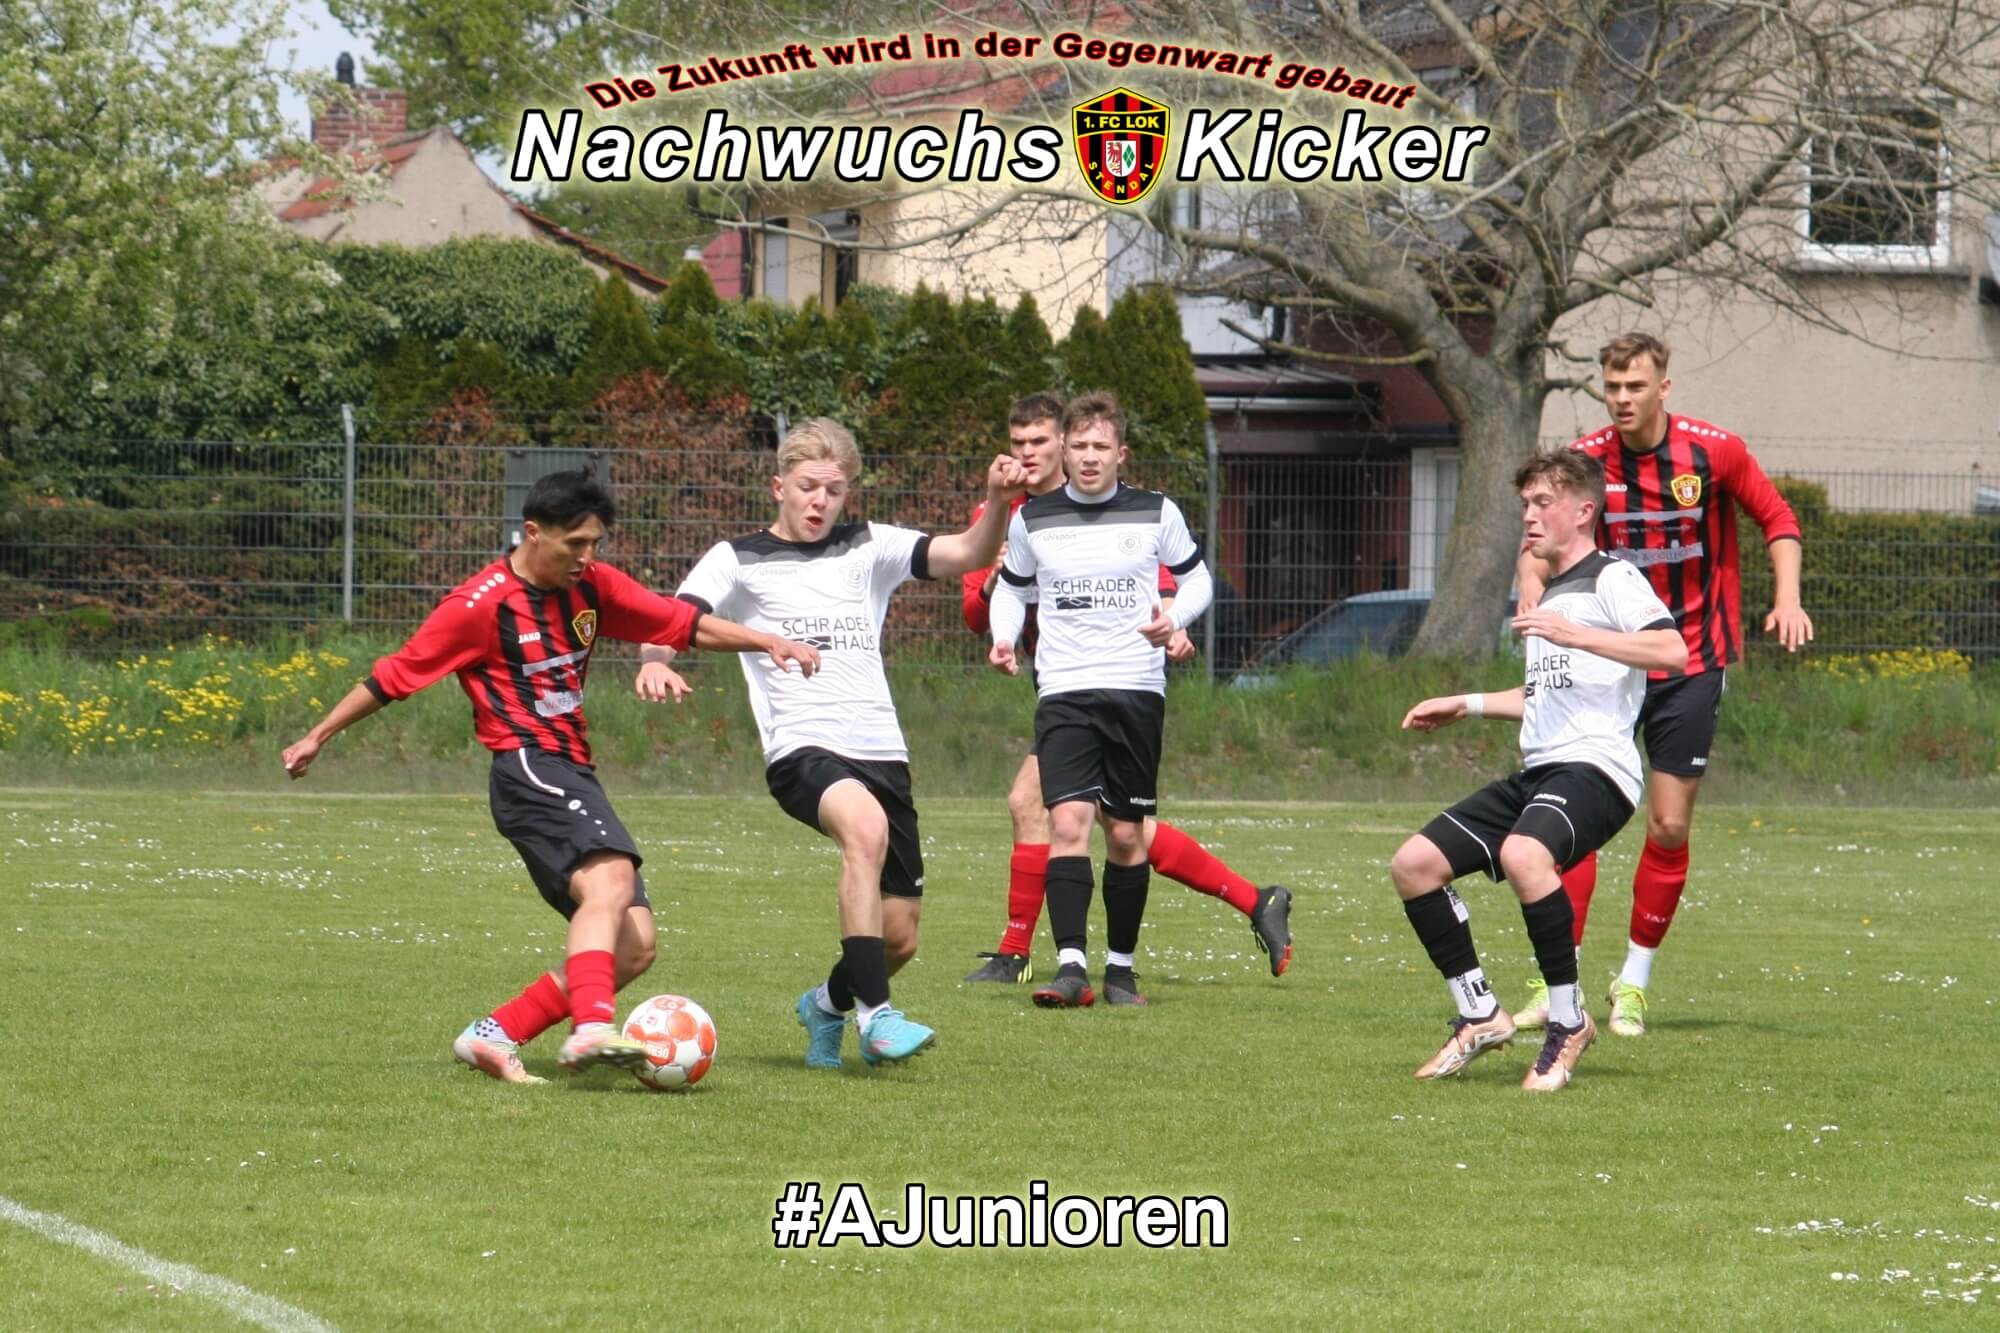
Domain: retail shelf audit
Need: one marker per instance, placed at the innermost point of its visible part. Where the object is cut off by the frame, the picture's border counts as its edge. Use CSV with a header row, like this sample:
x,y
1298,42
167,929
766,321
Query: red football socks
x,y
1579,882
534,1011
1177,856
1656,892
1027,871
593,981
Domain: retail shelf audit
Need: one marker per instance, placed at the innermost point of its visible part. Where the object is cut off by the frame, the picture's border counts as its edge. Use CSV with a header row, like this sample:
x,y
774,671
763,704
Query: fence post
x,y
347,520
1209,548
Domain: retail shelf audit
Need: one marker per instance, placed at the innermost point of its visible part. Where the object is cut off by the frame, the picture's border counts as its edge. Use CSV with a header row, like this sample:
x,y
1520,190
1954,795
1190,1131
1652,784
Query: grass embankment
x,y
1905,727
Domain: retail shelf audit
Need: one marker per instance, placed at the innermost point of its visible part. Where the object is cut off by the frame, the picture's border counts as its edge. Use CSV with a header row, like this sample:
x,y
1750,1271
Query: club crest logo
x,y
584,623
1121,143
1686,489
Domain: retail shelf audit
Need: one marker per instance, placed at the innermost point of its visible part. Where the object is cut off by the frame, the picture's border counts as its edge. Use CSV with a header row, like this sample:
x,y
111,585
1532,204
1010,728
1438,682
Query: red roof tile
x,y
318,199
556,231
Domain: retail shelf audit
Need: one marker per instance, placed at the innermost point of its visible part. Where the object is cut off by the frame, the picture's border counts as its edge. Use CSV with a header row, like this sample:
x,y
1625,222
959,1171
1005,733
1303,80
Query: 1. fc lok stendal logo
x,y
1121,143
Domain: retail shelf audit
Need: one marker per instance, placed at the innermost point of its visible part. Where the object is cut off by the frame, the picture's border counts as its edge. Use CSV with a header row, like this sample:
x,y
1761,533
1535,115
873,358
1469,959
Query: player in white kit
x,y
834,753
1590,642
1089,554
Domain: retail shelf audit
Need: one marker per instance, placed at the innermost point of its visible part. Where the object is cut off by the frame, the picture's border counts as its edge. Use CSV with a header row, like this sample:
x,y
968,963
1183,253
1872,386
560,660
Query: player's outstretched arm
x,y
657,681
727,636
1658,649
979,545
1447,709
358,703
1739,474
1788,619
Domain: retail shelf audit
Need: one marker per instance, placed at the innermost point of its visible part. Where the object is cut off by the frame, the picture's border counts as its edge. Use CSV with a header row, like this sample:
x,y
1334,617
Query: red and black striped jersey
x,y
521,652
1672,512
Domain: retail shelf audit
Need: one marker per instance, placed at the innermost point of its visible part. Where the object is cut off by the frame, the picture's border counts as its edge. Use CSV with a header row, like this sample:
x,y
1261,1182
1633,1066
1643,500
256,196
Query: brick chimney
x,y
379,114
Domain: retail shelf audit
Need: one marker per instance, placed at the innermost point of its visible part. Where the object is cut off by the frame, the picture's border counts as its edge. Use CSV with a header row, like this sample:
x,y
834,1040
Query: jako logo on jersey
x,y
1686,489
585,625
1121,143
532,636
1614,487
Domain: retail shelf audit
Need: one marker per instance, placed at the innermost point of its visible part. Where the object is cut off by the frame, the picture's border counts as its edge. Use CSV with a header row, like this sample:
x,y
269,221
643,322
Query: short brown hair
x,y
820,439
1626,348
1097,405
1033,407
1570,470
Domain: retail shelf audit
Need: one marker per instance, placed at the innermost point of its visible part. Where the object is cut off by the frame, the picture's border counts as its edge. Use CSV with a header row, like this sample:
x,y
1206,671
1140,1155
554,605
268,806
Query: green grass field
x,y
229,1018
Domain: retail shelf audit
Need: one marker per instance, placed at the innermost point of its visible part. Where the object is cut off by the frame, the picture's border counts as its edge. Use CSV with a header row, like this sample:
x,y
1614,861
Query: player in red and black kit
x,y
518,635
1673,484
1034,433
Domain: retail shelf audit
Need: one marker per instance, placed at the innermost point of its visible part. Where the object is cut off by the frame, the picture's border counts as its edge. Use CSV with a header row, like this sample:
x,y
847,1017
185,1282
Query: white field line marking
x,y
245,1304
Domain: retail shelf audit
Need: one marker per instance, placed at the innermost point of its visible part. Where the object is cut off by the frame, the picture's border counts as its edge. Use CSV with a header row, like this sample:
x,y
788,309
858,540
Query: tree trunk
x,y
1477,571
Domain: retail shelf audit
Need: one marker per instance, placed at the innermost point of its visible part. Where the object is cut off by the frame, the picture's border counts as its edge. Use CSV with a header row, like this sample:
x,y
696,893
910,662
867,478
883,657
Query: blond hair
x,y
820,439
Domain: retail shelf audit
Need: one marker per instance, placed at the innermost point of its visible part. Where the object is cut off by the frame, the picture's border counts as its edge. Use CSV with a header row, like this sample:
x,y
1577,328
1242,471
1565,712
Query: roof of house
x,y
321,195
1254,375
318,196
555,231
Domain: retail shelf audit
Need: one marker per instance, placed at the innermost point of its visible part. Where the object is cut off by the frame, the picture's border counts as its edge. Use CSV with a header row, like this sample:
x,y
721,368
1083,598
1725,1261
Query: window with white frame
x,y
777,263
1877,191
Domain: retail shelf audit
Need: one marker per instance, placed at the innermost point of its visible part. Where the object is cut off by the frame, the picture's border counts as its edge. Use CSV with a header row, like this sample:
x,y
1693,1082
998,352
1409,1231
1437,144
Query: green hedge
x,y
1875,581
476,343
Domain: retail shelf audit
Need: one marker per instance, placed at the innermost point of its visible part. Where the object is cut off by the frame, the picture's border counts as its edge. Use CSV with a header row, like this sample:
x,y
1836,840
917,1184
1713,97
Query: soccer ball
x,y
680,1041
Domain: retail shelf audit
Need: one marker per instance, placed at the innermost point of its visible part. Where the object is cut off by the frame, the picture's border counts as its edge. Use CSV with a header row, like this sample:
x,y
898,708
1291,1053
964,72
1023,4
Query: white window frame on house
x,y
776,254
1433,506
839,261
1887,255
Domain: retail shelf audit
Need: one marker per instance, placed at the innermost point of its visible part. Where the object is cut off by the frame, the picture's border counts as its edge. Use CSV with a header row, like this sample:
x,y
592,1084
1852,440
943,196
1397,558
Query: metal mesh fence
x,y
133,543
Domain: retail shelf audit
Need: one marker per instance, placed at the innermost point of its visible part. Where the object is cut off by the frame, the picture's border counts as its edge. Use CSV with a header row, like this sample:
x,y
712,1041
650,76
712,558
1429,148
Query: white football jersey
x,y
832,594
1093,569
1582,708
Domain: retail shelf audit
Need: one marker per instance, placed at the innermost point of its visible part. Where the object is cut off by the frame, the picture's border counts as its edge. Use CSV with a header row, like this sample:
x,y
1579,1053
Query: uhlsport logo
x,y
1121,143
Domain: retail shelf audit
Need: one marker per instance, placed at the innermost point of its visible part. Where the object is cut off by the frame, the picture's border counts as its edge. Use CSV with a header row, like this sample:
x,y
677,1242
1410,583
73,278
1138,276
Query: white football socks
x,y
1472,993
1638,969
1071,957
1566,1005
